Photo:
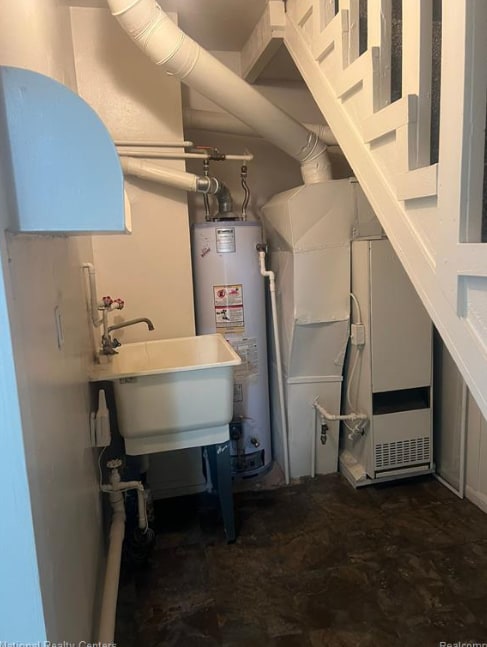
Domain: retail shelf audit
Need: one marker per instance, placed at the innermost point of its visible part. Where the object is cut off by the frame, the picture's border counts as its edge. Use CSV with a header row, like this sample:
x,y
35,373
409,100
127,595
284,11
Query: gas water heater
x,y
230,299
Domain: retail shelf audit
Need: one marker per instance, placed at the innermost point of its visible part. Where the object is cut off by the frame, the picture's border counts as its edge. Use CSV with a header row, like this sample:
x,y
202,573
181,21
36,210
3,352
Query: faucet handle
x,y
118,304
106,302
115,343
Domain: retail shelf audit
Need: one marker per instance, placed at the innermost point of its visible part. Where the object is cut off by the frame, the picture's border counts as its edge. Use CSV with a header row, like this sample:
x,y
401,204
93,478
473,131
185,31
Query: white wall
x,y
448,423
447,414
476,468
151,268
44,273
37,36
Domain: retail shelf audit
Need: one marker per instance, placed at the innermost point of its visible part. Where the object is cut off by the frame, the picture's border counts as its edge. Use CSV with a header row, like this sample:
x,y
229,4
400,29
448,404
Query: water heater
x,y
230,299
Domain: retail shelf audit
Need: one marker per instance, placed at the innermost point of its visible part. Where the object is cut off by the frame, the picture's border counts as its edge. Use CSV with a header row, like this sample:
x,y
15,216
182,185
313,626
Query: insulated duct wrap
x,y
222,122
158,37
170,177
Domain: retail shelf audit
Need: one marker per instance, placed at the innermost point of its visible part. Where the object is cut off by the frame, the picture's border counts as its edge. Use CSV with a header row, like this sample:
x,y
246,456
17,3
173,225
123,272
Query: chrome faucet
x,y
108,344
131,322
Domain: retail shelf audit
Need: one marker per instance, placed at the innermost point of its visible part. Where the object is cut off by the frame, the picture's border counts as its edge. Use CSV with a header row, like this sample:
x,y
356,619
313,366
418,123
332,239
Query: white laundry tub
x,y
172,393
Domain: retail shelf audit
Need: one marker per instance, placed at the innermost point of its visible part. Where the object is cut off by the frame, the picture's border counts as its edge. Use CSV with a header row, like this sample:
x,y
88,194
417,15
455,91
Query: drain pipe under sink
x,y
116,489
261,249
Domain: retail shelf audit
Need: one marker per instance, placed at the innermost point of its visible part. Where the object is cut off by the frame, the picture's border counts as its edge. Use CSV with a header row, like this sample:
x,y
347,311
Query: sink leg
x,y
221,475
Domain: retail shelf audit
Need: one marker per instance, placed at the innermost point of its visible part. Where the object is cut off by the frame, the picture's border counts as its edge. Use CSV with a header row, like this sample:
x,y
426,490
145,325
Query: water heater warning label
x,y
229,308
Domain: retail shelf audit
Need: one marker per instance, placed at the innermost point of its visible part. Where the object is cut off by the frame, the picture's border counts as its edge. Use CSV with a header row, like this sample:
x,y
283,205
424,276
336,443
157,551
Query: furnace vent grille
x,y
402,452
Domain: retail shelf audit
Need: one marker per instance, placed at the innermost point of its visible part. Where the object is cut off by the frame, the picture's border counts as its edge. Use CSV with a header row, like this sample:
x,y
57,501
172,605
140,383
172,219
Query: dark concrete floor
x,y
316,564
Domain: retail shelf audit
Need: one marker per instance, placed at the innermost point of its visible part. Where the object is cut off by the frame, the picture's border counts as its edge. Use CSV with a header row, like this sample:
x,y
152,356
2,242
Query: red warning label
x,y
229,307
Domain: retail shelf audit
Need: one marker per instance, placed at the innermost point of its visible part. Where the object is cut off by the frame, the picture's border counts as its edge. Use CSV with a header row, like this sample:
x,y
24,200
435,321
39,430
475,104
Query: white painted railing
x,y
432,213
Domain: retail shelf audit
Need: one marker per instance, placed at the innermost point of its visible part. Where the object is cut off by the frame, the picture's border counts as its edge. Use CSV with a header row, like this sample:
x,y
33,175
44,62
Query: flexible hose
x,y
245,204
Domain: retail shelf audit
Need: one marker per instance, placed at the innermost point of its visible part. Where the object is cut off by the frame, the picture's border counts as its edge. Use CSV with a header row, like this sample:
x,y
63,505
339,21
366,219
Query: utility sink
x,y
172,393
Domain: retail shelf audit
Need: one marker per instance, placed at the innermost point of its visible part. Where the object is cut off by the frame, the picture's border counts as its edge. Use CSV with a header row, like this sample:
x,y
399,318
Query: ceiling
x,y
214,24
221,25
217,24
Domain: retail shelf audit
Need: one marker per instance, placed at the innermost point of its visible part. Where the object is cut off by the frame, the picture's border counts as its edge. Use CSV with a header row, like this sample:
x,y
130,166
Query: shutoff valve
x,y
324,433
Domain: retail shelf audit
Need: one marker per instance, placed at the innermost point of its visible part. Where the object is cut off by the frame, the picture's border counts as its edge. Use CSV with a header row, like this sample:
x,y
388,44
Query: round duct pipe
x,y
181,180
222,122
170,177
168,46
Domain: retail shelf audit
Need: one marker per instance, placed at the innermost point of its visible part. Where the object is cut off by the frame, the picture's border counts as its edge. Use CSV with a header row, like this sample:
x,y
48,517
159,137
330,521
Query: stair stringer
x,y
428,212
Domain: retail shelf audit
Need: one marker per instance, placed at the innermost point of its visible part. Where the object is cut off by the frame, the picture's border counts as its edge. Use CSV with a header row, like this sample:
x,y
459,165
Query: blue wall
x,y
21,612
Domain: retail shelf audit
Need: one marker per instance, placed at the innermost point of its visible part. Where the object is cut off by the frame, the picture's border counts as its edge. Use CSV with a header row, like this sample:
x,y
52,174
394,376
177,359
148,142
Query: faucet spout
x,y
131,322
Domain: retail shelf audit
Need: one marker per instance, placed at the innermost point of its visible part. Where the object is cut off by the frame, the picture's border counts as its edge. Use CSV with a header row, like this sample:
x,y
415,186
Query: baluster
x,y
379,21
327,12
417,19
352,7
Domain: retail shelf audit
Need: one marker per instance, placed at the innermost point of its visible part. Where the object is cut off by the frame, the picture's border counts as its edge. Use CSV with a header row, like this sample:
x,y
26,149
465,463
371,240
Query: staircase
x,y
403,87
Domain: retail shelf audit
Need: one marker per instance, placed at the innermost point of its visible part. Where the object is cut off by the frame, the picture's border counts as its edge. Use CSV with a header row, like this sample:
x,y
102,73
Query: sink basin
x,y
172,393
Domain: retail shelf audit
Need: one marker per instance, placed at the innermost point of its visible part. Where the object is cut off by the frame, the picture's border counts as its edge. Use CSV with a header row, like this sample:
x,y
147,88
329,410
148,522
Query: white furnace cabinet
x,y
390,377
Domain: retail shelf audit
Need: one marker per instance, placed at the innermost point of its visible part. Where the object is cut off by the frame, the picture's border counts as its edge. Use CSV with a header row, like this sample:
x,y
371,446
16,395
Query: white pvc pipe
x,y
124,486
277,346
332,417
352,417
153,153
158,37
170,177
95,315
106,630
149,171
159,154
155,144
245,157
222,122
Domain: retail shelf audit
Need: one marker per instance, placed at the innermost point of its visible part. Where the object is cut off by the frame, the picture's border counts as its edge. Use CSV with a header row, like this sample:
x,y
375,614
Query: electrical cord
x,y
99,466
350,379
357,305
358,356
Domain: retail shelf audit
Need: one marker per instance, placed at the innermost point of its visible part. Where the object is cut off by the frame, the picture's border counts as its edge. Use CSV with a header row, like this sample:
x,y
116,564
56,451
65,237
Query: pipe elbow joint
x,y
315,162
206,184
225,200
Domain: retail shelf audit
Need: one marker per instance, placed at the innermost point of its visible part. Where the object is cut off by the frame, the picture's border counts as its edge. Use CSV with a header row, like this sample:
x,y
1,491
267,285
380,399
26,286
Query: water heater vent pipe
x,y
171,177
181,180
157,36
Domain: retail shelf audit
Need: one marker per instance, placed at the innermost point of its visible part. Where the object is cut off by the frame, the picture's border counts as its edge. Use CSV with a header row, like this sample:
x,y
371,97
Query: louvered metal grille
x,y
402,452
